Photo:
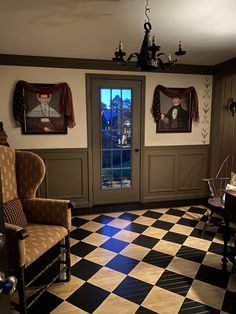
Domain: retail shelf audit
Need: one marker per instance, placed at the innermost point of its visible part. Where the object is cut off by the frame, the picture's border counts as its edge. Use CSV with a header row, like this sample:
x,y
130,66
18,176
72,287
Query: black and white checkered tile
x,y
144,261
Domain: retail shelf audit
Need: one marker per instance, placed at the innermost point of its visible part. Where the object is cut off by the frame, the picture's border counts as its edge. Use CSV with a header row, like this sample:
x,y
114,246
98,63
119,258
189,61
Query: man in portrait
x,y
176,117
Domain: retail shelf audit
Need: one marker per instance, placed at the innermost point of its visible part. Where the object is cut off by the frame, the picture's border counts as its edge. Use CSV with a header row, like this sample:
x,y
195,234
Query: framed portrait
x,y
175,113
43,112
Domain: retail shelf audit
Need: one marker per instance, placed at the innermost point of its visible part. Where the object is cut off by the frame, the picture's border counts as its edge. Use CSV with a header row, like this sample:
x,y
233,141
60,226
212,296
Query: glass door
x,y
116,124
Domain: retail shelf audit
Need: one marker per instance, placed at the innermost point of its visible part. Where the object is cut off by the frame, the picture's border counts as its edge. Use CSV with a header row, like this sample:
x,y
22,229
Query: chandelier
x,y
150,58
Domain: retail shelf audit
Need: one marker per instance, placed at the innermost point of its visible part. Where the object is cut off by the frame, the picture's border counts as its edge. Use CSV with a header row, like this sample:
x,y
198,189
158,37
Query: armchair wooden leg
x,y
20,275
68,261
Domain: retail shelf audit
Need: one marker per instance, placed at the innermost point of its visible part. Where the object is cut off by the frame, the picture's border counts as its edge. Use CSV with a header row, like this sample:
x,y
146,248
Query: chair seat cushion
x,y
216,202
14,214
41,238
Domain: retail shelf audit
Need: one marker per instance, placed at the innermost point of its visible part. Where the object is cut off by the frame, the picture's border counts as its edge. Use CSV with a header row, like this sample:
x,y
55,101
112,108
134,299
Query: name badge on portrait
x,y
45,120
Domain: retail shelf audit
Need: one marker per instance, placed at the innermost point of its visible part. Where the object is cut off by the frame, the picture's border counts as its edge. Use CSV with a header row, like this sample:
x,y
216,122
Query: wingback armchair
x,y
33,225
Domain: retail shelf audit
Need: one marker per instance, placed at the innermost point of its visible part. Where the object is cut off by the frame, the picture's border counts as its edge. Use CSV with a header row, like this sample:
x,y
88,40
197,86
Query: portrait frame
x,y
52,119
172,120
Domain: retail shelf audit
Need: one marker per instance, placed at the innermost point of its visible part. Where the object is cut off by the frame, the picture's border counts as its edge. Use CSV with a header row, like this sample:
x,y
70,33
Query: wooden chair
x,y
217,186
33,225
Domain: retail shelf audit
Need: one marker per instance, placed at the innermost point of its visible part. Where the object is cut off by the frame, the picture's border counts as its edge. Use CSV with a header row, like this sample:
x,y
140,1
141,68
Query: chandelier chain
x,y
147,10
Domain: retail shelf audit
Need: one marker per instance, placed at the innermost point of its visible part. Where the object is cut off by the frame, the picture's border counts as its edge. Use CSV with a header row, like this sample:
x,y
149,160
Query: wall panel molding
x,y
66,174
174,173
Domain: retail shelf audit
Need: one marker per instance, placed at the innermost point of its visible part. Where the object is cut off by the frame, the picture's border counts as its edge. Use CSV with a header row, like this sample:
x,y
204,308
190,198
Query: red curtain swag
x,y
174,92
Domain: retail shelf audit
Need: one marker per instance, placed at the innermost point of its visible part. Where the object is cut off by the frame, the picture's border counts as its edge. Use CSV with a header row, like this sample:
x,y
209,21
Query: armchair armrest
x,y
15,236
48,211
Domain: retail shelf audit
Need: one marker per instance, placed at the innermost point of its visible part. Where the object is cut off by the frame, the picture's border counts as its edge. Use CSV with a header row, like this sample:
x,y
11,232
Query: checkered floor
x,y
145,261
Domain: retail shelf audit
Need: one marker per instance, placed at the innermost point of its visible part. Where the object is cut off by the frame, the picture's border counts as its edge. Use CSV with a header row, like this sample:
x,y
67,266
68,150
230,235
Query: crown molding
x,y
93,64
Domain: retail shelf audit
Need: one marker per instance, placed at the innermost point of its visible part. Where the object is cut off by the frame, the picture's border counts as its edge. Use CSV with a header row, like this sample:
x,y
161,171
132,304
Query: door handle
x,y
136,150
7,285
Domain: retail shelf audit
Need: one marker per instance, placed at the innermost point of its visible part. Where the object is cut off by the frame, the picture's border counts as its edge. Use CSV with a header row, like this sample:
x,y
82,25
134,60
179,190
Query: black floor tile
x,y
158,259
174,282
85,269
191,254
162,225
46,304
197,210
188,222
114,245
152,214
229,304
192,307
77,221
128,216
175,212
145,241
213,276
82,249
135,227
108,231
122,264
208,235
216,248
133,289
88,297
175,237
103,219
80,234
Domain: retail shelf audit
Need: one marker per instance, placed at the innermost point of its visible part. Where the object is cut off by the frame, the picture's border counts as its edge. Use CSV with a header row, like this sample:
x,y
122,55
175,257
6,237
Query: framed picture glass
x,y
43,112
175,113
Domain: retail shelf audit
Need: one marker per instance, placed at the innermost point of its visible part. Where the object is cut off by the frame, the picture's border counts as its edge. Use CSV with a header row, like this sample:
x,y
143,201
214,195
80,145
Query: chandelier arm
x,y
132,55
161,63
167,57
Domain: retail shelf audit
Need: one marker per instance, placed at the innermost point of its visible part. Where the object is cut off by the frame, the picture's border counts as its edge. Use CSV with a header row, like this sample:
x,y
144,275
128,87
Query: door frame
x,y
89,81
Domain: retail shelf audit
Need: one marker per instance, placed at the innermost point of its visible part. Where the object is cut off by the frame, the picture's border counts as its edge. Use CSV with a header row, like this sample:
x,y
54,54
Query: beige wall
x,y
77,137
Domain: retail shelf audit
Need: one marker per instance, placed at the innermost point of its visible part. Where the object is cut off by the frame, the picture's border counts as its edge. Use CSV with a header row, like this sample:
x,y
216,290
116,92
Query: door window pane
x,y
106,139
126,160
116,182
116,159
106,159
106,179
116,129
126,178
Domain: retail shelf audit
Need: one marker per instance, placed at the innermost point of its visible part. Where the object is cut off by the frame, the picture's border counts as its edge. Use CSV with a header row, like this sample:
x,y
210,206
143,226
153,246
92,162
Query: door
x,y
4,299
115,139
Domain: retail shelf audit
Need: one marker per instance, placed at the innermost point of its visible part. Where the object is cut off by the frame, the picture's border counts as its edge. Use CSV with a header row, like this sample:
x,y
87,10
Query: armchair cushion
x,y
41,239
14,214
37,240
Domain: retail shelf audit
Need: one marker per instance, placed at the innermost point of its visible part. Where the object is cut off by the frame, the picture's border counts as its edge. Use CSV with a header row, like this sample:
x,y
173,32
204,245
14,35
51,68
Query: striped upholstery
x,y
8,173
26,164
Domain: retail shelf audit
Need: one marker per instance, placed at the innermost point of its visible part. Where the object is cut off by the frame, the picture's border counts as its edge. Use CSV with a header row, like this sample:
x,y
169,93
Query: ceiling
x,y
91,29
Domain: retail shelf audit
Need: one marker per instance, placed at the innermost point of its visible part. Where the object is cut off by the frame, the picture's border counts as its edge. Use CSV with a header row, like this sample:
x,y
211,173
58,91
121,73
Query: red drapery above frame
x,y
174,92
66,104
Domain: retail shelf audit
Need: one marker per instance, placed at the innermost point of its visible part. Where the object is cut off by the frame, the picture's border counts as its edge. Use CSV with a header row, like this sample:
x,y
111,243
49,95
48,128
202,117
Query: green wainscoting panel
x,y
66,174
174,173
